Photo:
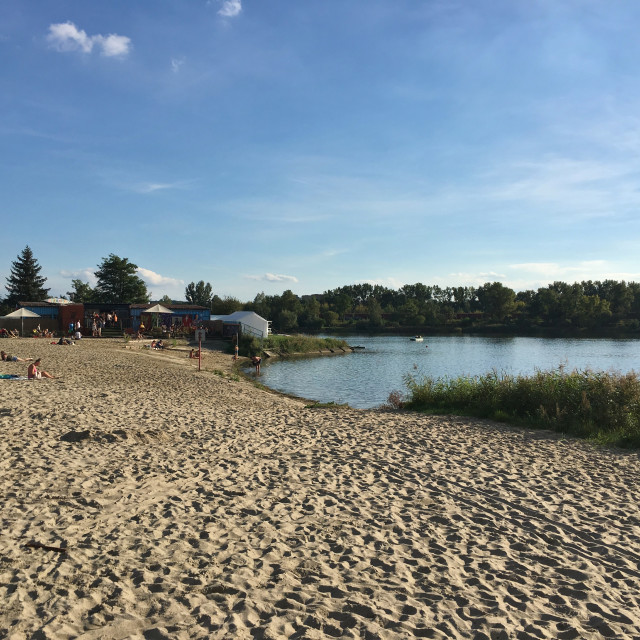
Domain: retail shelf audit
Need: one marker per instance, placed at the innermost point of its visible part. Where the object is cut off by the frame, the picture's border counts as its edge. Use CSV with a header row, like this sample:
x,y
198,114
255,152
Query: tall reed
x,y
603,406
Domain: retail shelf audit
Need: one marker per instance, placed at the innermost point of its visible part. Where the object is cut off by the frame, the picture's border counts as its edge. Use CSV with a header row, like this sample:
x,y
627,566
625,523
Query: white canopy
x,y
157,308
22,314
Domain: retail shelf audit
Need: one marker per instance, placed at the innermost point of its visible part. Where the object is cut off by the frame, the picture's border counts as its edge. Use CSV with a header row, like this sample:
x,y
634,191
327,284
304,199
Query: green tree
x,y
165,300
25,282
375,312
118,282
223,307
199,293
287,320
331,318
310,317
82,292
343,304
592,311
496,300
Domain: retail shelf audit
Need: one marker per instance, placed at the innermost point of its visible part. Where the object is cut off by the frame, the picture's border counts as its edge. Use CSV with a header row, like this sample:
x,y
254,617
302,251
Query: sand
x,y
199,506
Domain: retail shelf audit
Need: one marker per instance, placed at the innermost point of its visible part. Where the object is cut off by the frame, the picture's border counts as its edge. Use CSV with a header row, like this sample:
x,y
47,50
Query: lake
x,y
365,378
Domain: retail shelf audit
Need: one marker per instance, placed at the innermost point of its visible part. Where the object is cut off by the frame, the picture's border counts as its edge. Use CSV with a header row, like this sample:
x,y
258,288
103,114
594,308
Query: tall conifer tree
x,y
25,282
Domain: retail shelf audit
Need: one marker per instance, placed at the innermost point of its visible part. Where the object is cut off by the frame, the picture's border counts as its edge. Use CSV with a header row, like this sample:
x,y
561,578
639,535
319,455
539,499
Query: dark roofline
x,y
170,306
44,303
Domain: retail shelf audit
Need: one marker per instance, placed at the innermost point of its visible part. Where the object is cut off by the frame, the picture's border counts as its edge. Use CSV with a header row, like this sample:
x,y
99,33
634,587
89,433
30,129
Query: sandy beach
x,y
201,506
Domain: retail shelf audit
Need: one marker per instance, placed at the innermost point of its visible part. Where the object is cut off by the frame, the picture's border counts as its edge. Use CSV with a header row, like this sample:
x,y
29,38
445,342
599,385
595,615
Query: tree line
x,y
579,306
587,305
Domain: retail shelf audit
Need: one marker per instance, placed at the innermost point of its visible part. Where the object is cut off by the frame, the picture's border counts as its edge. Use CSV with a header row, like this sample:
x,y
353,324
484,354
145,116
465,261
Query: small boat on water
x,y
416,339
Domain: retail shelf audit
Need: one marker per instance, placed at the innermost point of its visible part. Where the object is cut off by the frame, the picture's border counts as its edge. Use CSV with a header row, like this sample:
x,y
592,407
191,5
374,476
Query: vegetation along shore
x,y
602,406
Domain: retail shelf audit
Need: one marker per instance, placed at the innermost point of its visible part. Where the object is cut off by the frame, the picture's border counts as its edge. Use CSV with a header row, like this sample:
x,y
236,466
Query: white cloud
x,y
272,277
114,45
150,187
176,63
86,275
585,270
156,279
65,36
389,283
230,8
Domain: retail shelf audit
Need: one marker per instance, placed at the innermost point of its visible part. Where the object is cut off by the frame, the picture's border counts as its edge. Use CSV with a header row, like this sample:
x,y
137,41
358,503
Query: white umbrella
x,y
22,314
157,309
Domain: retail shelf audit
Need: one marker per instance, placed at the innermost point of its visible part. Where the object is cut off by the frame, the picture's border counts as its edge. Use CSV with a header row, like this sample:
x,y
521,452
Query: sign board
x,y
201,335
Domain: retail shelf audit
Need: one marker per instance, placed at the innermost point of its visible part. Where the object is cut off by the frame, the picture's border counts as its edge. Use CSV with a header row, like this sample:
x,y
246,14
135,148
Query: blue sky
x,y
264,145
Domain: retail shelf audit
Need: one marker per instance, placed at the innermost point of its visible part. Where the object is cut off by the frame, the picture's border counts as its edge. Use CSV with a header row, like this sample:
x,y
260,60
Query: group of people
x,y
9,333
33,371
42,333
96,322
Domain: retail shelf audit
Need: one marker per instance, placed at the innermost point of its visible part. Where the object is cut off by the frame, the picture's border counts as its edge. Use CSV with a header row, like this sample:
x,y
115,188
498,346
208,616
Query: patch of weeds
x,y
325,405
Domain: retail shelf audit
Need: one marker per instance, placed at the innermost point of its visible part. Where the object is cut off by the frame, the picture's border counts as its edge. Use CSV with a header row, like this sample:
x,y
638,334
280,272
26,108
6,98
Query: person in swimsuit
x,y
33,373
8,358
256,360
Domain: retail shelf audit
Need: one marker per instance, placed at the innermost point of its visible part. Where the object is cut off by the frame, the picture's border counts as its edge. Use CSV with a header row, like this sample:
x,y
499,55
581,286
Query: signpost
x,y
201,335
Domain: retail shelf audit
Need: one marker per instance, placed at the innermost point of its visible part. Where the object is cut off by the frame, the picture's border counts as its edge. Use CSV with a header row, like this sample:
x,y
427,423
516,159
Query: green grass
x,y
604,407
289,345
325,405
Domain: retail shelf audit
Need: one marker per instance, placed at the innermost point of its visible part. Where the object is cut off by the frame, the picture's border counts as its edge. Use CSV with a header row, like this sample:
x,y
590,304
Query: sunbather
x,y
33,373
8,358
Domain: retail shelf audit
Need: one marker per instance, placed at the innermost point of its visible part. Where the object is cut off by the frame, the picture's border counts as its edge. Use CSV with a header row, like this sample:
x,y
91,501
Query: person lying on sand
x,y
8,358
33,373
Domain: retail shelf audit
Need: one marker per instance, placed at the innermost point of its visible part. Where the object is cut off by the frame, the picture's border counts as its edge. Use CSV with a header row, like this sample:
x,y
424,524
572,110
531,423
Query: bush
x,y
287,345
249,346
597,405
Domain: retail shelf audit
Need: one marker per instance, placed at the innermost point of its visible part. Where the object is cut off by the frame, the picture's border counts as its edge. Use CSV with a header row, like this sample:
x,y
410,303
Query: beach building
x,y
244,322
186,315
58,315
53,316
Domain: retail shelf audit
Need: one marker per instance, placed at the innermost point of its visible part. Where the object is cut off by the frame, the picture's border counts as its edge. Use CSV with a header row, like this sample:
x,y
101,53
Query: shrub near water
x,y
302,344
598,405
288,345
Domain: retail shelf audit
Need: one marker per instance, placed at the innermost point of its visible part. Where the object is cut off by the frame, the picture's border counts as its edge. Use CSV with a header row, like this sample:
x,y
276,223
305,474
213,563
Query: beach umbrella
x,y
157,309
22,314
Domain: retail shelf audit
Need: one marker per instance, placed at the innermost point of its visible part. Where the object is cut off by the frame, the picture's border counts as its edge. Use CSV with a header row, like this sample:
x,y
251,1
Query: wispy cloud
x,y
230,8
390,283
151,187
176,63
273,277
156,279
86,275
65,36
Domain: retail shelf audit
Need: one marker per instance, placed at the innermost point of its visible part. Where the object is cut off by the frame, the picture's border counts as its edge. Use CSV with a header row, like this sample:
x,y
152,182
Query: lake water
x,y
365,378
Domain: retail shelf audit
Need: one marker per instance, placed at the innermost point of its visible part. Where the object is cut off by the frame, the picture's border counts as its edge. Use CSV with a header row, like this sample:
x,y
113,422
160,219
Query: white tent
x,y
250,322
22,313
157,308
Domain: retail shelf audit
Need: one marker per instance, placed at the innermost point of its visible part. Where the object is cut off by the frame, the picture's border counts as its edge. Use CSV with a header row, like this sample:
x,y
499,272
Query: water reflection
x,y
364,378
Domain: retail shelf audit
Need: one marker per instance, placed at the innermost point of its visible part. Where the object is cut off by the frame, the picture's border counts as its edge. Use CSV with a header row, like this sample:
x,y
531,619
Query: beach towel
x,y
11,376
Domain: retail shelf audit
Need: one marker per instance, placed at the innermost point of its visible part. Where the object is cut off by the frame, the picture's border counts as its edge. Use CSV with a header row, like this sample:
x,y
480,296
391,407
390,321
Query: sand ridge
x,y
201,506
